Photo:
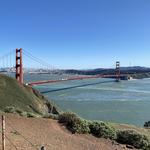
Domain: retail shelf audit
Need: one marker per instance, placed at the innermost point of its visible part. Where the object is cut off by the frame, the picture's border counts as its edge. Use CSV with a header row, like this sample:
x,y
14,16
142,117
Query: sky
x,y
78,34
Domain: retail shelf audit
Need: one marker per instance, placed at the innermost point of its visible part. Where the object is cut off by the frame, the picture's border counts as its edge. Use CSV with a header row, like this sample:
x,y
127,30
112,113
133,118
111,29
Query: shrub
x,y
101,129
81,126
23,114
74,123
19,111
133,138
51,116
147,124
68,118
31,115
9,109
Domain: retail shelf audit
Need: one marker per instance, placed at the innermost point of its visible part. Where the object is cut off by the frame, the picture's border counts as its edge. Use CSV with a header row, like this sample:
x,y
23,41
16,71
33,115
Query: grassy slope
x,y
21,97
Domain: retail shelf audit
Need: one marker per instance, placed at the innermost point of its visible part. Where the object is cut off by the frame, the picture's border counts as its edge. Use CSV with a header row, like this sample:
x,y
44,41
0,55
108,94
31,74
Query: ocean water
x,y
101,99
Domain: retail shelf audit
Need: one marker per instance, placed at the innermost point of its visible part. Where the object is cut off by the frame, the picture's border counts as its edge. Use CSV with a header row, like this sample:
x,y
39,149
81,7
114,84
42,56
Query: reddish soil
x,y
34,132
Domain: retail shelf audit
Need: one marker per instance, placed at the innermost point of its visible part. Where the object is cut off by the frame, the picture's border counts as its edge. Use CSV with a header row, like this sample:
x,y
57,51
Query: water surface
x,y
103,99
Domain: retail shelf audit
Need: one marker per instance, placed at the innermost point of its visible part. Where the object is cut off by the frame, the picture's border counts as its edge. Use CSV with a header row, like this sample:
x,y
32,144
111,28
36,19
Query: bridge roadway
x,y
121,77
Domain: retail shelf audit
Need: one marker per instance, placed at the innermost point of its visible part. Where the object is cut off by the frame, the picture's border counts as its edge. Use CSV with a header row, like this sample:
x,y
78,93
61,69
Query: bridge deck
x,y
122,77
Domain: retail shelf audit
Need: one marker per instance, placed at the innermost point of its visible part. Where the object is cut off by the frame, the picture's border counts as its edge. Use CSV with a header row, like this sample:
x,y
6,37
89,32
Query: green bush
x,y
68,118
18,111
81,126
147,124
31,115
102,129
51,116
133,138
9,109
74,123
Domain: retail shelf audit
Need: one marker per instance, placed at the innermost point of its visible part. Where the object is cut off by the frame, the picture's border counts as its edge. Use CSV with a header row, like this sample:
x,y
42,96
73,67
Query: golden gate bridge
x,y
19,54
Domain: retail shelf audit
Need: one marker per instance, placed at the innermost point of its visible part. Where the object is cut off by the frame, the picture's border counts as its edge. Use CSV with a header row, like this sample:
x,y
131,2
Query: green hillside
x,y
14,95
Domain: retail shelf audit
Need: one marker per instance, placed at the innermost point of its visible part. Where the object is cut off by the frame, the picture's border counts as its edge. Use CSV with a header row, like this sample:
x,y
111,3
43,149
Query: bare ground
x,y
31,133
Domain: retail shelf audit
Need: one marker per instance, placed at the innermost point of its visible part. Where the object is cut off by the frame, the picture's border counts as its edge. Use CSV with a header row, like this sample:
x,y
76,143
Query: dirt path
x,y
38,131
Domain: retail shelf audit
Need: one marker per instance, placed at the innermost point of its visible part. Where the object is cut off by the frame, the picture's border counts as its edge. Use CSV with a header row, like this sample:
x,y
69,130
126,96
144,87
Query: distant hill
x,y
22,97
124,70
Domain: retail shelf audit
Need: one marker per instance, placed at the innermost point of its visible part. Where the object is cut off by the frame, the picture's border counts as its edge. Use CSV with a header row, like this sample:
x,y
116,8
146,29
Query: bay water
x,y
101,99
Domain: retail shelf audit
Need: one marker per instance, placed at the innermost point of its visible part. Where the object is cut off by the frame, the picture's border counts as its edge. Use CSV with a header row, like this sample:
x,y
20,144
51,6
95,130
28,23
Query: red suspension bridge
x,y
6,62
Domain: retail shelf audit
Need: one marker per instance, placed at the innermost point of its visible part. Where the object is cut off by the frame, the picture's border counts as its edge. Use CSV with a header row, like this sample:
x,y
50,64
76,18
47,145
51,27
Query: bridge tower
x,y
19,66
117,71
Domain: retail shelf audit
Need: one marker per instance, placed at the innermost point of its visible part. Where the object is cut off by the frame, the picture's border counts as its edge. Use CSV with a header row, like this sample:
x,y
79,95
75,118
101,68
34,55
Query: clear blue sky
x,y
78,33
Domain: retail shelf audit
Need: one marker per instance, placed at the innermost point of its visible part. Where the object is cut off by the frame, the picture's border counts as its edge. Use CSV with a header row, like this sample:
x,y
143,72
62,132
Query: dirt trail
x,y
38,131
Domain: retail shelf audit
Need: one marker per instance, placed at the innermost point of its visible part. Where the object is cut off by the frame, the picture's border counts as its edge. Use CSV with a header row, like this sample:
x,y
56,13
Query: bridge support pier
x,y
117,71
19,66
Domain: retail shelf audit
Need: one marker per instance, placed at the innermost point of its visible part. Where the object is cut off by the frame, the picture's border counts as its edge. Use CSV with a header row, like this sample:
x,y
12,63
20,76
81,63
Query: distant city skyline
x,y
80,34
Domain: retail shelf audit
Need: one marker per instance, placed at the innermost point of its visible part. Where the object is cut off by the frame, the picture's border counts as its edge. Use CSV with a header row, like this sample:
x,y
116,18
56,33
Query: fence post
x,y
3,132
